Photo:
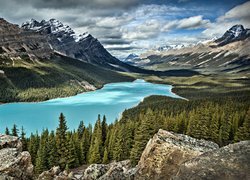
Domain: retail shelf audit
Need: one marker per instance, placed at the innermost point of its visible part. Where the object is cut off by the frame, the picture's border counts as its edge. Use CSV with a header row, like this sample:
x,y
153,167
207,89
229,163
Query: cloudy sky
x,y
132,26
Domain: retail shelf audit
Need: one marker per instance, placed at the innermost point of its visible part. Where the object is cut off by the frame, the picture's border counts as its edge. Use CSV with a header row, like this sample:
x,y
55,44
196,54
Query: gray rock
x,y
15,164
113,171
10,142
95,171
166,151
231,162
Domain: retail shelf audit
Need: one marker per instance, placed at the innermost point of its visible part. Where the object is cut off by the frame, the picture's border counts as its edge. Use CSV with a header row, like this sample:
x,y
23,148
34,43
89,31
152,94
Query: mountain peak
x,y
235,33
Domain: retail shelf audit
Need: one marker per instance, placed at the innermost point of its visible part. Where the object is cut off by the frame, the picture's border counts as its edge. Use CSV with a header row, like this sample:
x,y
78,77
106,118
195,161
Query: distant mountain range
x,y
229,53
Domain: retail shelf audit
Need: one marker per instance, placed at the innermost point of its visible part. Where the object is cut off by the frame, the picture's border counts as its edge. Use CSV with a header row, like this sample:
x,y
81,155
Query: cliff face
x,y
15,42
14,164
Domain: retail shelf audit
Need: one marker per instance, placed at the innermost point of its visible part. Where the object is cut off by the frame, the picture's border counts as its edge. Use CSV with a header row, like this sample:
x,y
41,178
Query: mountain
x,y
83,47
229,53
17,42
31,70
235,33
169,47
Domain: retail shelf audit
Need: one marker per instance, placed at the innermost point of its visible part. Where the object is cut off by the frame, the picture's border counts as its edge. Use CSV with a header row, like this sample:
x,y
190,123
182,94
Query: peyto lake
x,y
111,101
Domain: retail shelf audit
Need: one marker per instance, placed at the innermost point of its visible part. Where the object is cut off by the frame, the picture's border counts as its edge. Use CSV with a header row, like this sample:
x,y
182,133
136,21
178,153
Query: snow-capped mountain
x,y
172,46
83,47
235,33
131,57
228,53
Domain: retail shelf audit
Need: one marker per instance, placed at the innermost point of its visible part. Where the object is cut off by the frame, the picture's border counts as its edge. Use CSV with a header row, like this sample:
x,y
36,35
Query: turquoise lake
x,y
111,101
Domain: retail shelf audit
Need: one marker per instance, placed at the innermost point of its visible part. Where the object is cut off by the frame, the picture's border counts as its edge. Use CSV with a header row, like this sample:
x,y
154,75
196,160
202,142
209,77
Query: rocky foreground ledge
x,y
167,156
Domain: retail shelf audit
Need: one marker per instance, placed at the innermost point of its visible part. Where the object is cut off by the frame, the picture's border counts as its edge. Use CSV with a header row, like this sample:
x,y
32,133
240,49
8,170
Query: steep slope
x,y
30,70
230,53
16,42
83,47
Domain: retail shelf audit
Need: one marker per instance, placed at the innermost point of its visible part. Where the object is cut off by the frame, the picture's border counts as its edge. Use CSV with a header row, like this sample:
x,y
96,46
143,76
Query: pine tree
x,y
71,156
33,146
7,132
85,143
142,135
105,159
52,151
96,148
14,130
104,129
24,140
81,129
224,131
243,132
61,141
42,154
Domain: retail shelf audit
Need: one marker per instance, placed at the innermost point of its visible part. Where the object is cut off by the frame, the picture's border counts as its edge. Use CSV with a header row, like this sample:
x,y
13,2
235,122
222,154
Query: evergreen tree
x,y
81,129
61,141
24,140
96,148
33,146
71,156
52,151
14,130
42,154
7,132
243,132
85,144
105,159
104,129
142,135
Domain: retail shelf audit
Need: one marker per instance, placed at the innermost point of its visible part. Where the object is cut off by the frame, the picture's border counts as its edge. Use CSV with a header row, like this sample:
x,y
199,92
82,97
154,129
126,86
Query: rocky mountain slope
x,y
166,156
83,47
29,66
230,53
16,42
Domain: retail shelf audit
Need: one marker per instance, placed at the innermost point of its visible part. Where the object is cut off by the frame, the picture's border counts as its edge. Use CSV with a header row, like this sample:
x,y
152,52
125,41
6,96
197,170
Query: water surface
x,y
111,100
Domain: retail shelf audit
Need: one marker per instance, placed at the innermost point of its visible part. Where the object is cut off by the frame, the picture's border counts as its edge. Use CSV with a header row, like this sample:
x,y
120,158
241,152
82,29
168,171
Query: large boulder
x,y
10,142
113,171
166,151
15,164
231,162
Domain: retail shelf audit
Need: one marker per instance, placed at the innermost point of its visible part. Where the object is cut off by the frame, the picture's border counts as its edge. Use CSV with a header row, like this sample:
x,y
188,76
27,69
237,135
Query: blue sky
x,y
134,26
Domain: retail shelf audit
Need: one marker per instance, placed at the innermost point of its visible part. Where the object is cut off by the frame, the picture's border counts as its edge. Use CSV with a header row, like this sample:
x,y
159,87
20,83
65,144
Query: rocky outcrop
x,y
229,162
56,173
15,164
166,151
116,170
16,42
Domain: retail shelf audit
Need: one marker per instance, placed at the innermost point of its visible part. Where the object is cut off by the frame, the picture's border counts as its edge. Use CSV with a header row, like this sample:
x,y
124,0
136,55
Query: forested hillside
x,y
38,80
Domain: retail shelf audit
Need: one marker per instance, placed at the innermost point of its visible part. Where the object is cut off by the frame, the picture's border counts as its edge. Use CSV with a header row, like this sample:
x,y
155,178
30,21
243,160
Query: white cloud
x,y
239,12
237,15
193,22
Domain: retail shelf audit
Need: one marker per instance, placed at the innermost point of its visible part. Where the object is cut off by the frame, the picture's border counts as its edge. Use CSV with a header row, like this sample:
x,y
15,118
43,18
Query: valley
x,y
69,109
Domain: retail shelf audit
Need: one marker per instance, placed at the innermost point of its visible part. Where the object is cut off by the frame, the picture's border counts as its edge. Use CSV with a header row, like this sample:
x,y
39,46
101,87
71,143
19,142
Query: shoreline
x,y
171,91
